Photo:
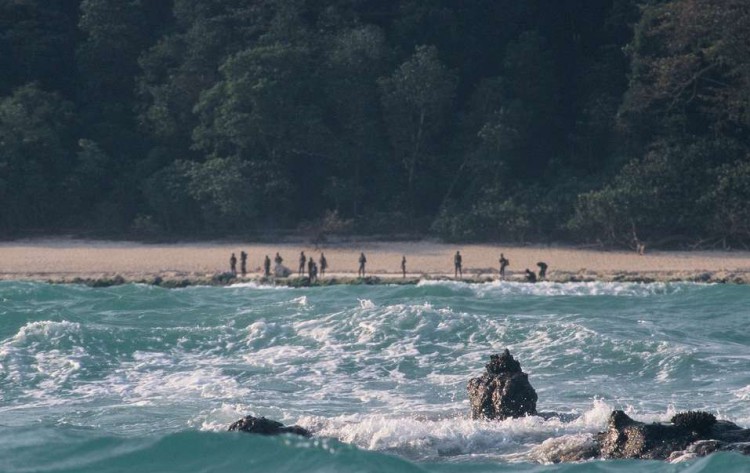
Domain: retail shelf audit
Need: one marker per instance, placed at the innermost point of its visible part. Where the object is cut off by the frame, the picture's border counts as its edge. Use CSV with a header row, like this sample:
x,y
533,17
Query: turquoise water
x,y
140,378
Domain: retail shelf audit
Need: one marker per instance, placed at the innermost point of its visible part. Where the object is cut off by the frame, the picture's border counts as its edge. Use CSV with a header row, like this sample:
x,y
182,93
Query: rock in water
x,y
628,438
263,426
695,421
691,433
503,391
281,271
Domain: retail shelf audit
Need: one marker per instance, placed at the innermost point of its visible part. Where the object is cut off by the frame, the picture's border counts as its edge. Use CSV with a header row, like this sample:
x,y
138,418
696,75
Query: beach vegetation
x,y
605,122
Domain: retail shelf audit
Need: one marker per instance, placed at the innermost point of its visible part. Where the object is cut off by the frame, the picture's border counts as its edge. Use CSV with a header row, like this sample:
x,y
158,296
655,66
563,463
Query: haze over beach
x,y
59,259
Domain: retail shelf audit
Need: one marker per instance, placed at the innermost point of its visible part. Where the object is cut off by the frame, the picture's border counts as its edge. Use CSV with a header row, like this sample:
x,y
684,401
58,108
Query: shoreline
x,y
102,263
176,280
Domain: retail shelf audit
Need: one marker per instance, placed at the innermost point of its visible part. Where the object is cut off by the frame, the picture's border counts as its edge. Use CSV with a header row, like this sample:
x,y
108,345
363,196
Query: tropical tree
x,y
35,134
416,100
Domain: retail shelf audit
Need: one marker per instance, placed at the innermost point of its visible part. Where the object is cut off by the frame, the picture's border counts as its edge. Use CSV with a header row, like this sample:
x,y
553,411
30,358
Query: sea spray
x,y
118,375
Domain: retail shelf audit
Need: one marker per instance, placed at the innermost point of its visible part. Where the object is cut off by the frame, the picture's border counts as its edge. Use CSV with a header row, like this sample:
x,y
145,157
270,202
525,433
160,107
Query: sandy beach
x,y
67,260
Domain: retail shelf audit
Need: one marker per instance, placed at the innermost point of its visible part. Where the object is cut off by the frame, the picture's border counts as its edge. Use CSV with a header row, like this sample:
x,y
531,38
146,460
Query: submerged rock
x,y
689,435
503,391
263,426
568,448
693,433
628,438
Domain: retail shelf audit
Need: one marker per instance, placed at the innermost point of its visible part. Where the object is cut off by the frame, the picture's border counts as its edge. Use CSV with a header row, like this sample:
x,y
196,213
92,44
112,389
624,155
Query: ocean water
x,y
140,378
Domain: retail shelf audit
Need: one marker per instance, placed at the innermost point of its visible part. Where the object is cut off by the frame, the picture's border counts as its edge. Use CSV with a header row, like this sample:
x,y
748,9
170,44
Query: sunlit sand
x,y
66,259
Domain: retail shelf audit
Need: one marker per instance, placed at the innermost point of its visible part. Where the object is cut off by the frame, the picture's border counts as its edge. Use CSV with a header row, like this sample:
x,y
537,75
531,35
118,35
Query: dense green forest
x,y
600,121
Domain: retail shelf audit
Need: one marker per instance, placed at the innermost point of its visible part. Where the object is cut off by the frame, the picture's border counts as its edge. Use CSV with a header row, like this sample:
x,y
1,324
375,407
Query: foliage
x,y
727,204
597,120
169,200
34,139
416,99
658,197
220,188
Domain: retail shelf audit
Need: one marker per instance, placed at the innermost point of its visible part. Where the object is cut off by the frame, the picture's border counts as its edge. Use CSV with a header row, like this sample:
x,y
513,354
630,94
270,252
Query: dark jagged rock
x,y
694,433
696,421
223,278
503,391
688,435
263,426
504,363
628,438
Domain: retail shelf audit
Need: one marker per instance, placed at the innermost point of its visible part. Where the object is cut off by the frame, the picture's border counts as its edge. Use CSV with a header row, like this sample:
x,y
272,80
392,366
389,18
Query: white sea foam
x,y
258,330
743,394
301,300
57,367
152,378
579,289
43,356
385,369
546,288
550,449
455,435
312,329
217,419
286,356
256,285
366,304
399,357
46,331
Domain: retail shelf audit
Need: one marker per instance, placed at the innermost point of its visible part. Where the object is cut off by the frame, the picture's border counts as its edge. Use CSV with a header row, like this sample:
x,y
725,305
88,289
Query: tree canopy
x,y
610,121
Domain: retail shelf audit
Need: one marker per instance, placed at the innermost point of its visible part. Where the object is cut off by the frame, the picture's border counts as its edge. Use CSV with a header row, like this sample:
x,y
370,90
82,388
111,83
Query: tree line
x,y
597,121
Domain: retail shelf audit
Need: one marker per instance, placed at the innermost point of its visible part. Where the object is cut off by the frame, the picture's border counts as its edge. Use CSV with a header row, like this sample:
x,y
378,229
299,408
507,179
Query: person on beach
x,y
362,261
530,276
457,262
542,270
310,265
233,264
267,266
323,264
314,275
503,264
403,266
278,259
243,263
302,261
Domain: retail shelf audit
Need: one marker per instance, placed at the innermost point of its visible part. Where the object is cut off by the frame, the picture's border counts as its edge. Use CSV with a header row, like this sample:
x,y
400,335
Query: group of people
x,y
363,261
243,263
530,275
312,268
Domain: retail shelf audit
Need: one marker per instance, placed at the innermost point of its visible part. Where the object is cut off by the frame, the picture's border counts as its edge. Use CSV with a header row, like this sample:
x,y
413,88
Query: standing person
x,y
457,262
314,276
530,276
302,261
243,263
233,264
267,266
503,264
362,261
323,264
310,265
542,270
403,266
278,259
